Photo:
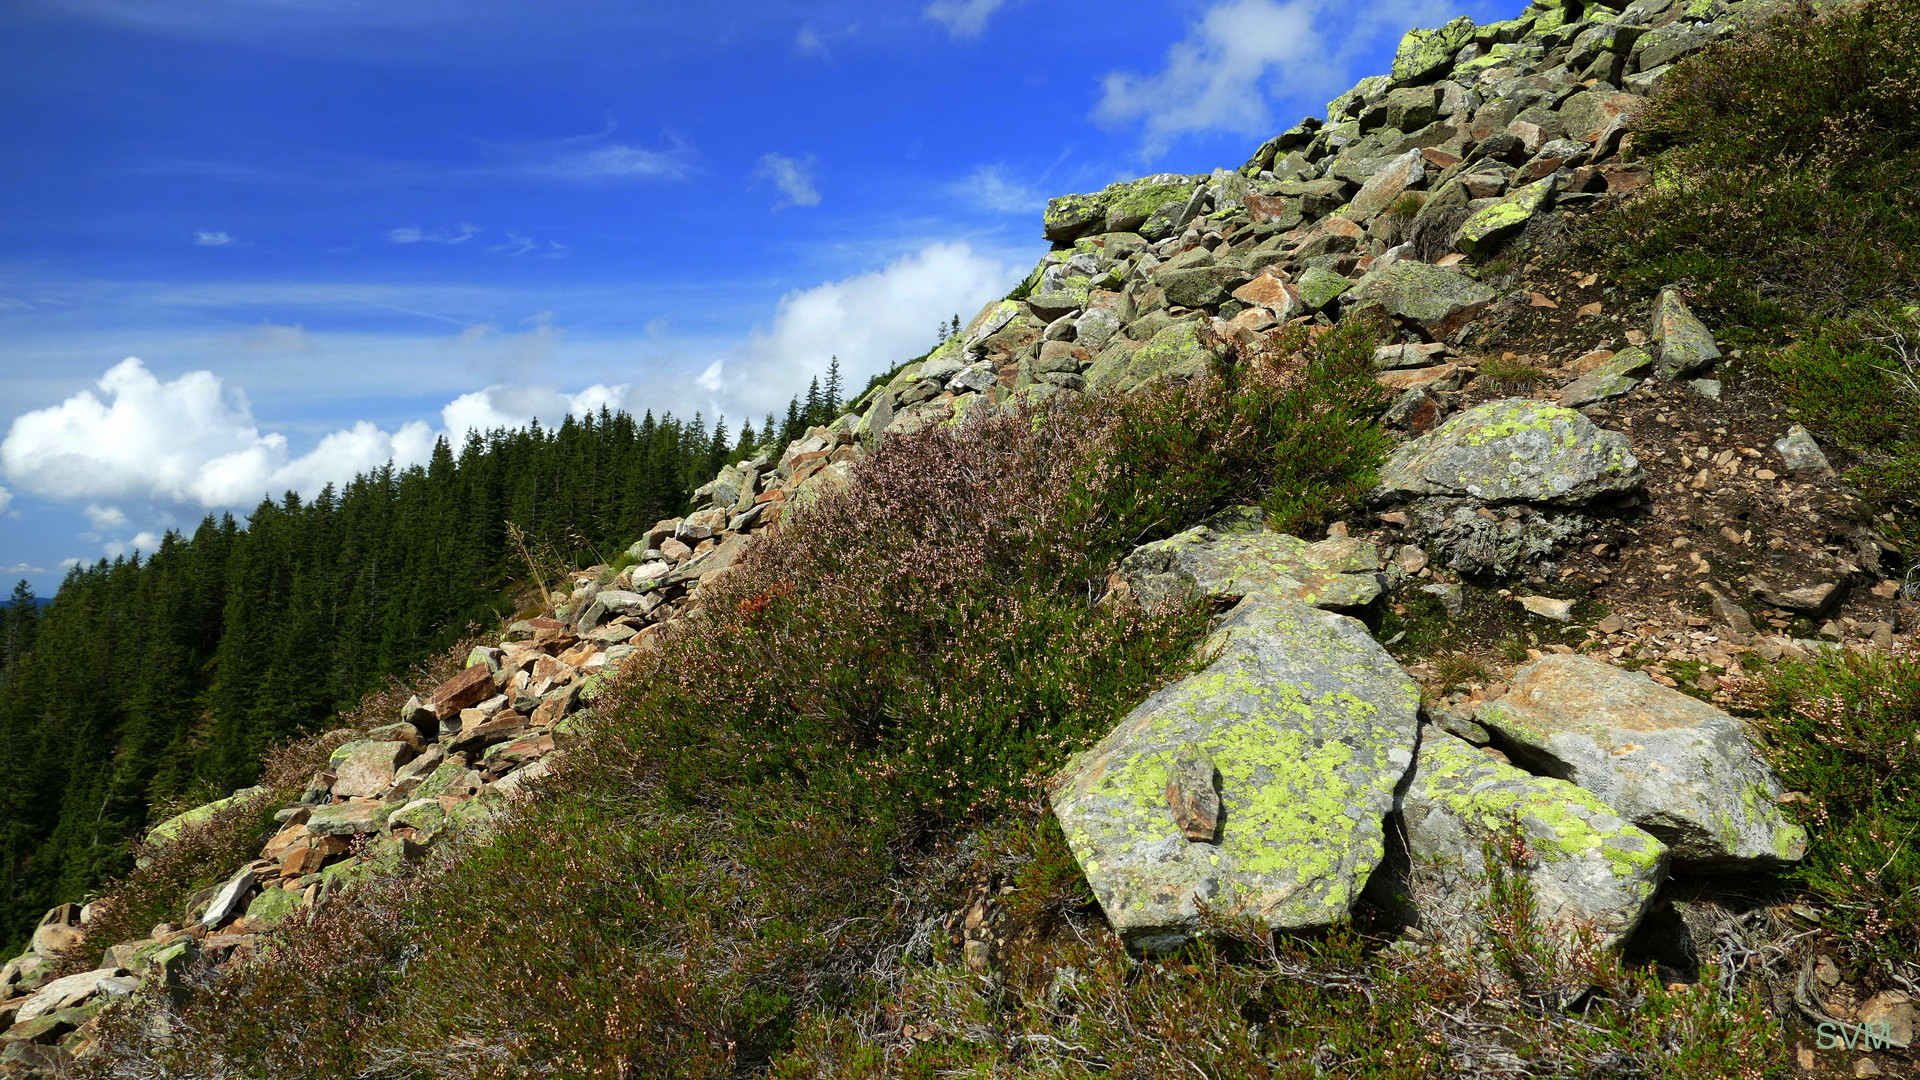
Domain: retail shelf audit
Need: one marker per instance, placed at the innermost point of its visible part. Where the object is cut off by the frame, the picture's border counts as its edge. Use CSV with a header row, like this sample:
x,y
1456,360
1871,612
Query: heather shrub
x,y
1856,383
1844,730
1782,163
756,820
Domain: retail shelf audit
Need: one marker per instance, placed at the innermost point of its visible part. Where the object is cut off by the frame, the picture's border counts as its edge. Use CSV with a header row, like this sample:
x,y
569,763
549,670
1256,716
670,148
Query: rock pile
x,y
1264,785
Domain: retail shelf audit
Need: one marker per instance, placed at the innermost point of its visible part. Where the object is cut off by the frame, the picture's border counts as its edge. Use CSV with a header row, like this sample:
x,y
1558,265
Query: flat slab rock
x,y
1334,573
1513,450
1308,725
1674,766
1588,867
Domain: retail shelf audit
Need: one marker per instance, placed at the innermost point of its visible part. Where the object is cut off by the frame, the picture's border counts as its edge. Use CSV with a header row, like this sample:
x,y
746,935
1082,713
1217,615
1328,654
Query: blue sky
x,y
252,245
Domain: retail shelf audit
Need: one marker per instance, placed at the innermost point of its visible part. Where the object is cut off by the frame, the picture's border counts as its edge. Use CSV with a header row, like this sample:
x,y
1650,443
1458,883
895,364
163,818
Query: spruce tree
x,y
833,390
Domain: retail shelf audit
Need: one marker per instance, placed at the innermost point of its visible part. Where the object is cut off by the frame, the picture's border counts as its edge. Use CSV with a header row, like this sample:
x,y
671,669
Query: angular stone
x,y
1310,725
1397,357
1174,351
230,900
461,691
1801,453
344,819
1492,226
1686,346
1425,55
272,907
1814,600
1320,287
1611,379
1676,767
1193,796
1409,170
1432,299
1201,286
59,930
1513,450
1334,573
364,768
1281,298
1586,866
1548,607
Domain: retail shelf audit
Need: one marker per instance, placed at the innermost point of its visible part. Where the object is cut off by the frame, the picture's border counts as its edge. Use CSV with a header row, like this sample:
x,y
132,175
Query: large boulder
x,y
1215,564
167,830
1494,225
1304,724
1676,767
1513,450
1174,351
1613,378
364,768
1425,55
1433,300
1585,864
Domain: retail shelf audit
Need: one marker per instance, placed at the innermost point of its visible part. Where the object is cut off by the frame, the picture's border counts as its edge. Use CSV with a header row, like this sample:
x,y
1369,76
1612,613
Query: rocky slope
x,y
1622,500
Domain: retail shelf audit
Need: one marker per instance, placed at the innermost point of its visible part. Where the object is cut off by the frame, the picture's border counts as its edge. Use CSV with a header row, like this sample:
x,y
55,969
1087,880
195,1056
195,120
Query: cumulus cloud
x,y
963,18
212,239
412,235
794,178
988,188
6,498
24,568
505,406
189,441
1239,52
105,517
871,322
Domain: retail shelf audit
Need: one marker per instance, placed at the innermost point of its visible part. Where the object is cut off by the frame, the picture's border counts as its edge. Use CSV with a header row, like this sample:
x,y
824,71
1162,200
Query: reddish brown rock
x,y
465,689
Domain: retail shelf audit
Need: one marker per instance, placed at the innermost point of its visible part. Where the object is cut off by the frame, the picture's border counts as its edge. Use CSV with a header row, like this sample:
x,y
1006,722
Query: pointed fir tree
x,y
832,390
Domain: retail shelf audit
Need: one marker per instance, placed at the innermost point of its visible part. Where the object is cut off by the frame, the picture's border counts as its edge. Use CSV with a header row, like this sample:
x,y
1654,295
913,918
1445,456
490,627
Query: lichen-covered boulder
x,y
1611,379
1320,287
1513,450
1492,226
364,767
200,815
1425,55
1686,345
1676,767
1308,724
1334,573
1456,534
1587,865
1433,300
1174,351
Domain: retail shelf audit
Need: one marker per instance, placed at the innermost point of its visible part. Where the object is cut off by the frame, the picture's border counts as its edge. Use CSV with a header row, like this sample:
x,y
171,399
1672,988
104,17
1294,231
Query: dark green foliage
x,y
1784,166
1856,383
1845,730
161,680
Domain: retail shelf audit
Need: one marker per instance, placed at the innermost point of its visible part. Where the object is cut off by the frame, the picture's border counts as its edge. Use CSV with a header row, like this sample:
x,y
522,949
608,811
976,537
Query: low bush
x,y
1844,731
1783,164
1856,383
759,818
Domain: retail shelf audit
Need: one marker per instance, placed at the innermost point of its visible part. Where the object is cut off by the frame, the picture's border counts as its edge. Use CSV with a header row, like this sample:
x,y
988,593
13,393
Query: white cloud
x,y
615,161
987,188
515,406
871,321
710,380
411,235
105,517
963,18
24,568
6,497
794,178
212,239
1219,78
808,42
184,442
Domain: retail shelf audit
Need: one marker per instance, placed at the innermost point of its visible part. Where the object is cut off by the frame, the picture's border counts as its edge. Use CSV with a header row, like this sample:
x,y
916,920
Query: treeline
x,y
151,679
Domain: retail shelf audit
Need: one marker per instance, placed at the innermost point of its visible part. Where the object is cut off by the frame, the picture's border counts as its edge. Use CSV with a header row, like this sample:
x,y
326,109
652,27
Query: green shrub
x,y
759,817
1856,382
1844,730
1783,164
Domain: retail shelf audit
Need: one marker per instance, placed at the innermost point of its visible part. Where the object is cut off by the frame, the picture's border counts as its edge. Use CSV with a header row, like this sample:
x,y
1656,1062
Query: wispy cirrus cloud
x,y
989,188
963,18
213,239
412,235
794,178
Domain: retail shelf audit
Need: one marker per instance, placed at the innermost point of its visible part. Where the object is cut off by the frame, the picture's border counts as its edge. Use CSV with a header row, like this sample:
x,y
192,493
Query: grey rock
x,y
1449,596
1461,536
1686,346
1431,299
1801,453
1548,607
231,900
1587,867
1310,724
1612,379
1320,287
1676,767
1334,573
1513,450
